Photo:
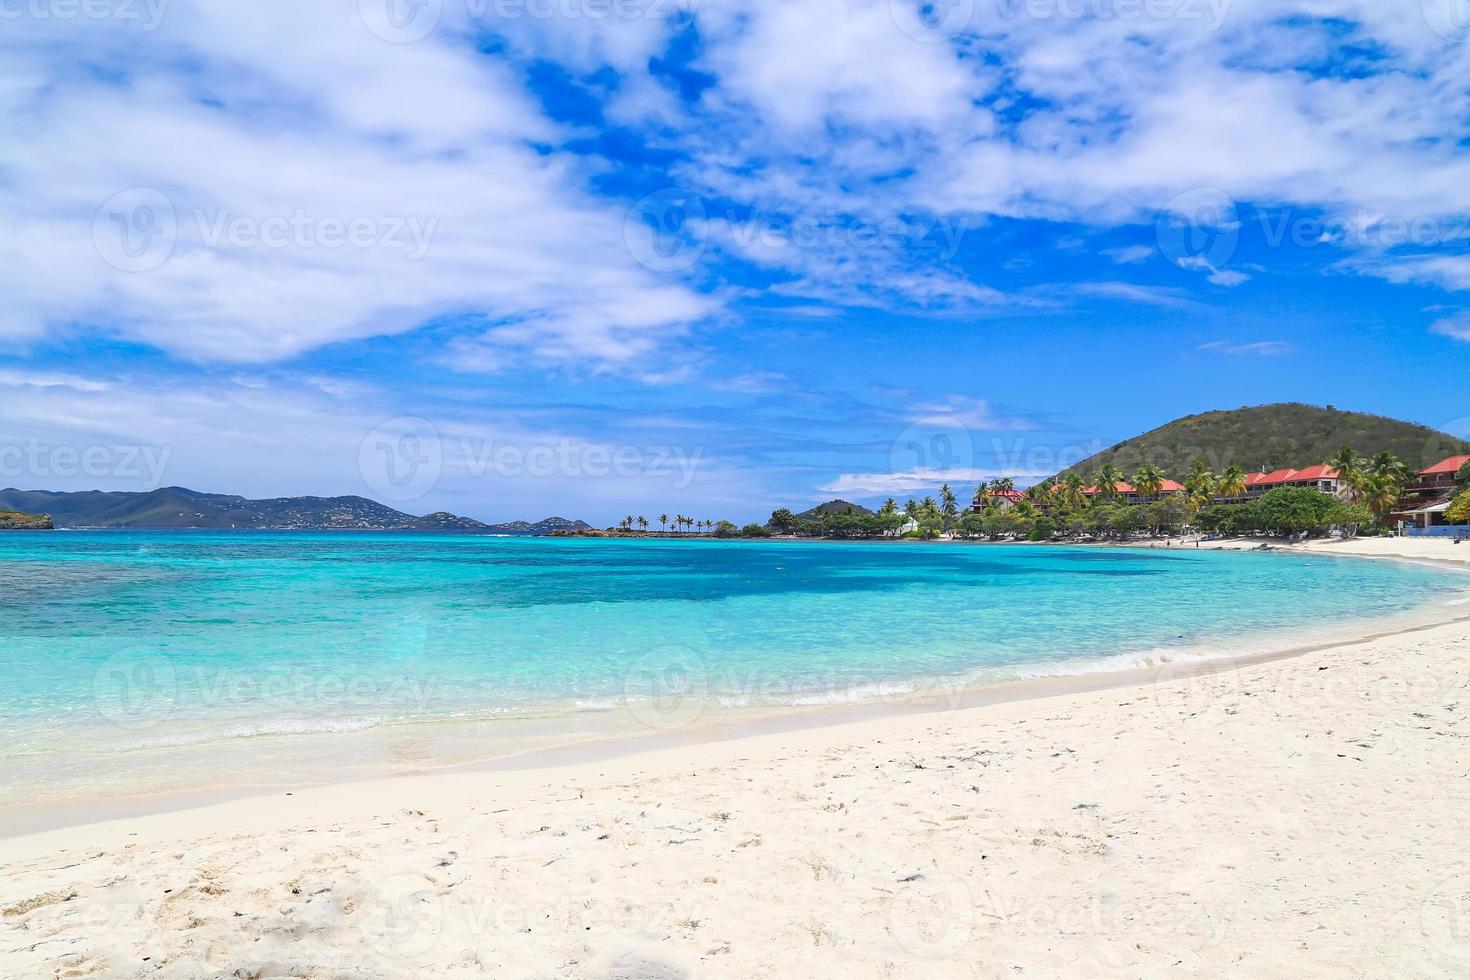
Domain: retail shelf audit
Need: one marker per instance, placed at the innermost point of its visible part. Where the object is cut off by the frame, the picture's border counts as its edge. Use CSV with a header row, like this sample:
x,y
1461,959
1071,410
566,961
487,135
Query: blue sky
x,y
596,257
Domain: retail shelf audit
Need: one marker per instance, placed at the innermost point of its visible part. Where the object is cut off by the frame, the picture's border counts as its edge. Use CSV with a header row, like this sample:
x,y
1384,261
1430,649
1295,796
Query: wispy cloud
x,y
1260,348
1129,254
1133,293
1455,326
974,414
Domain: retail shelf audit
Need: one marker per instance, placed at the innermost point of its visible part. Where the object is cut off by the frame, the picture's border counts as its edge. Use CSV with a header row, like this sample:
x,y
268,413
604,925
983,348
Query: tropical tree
x,y
1072,496
663,521
1106,480
1351,468
1044,493
1200,485
642,523
911,509
890,506
1458,511
1148,481
977,500
1388,465
1232,483
1002,484
949,509
1381,492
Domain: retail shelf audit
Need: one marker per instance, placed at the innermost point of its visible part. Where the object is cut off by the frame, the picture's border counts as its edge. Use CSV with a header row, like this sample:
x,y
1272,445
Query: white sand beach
x,y
1299,818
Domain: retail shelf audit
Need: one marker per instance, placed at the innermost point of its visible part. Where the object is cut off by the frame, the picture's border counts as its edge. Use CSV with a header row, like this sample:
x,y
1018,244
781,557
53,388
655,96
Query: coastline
x,y
636,729
1211,823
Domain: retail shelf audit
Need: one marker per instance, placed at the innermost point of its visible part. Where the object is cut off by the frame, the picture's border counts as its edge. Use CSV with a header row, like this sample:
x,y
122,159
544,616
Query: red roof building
x,y
1451,466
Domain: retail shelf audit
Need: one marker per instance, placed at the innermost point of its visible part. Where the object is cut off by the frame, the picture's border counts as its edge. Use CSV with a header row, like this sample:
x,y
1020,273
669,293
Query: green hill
x,y
1273,436
833,507
14,520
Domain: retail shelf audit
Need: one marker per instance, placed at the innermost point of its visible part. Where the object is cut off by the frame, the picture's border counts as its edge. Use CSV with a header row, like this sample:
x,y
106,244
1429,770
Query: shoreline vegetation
x,y
1345,496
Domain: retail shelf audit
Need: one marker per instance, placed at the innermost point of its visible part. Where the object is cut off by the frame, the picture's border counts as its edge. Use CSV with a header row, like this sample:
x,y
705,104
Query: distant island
x,y
14,520
179,507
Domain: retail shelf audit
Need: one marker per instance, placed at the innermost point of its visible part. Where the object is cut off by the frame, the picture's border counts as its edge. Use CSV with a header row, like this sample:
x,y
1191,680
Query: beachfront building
x,y
1000,500
1439,478
1320,477
1128,493
1425,501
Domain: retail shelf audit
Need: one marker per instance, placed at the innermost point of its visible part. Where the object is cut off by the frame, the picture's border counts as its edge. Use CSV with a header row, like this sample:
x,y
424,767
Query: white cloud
x,y
1456,326
264,127
974,414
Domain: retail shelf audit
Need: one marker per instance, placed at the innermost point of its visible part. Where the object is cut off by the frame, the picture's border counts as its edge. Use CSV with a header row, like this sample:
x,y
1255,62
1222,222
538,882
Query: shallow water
x,y
146,661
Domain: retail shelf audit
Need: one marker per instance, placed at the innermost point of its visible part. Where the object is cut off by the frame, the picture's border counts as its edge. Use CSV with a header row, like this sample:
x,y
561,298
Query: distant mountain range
x,y
178,507
1271,437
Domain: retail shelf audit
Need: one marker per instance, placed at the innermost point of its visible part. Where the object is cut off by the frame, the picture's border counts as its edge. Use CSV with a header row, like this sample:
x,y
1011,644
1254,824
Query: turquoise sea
x,y
150,661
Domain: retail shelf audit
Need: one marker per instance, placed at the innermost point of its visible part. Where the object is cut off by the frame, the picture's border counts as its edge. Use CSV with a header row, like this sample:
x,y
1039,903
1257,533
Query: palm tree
x,y
1072,496
1232,483
1381,493
1106,480
663,521
1389,465
1002,484
642,523
950,510
1148,481
978,499
890,506
1350,472
911,509
1042,494
1199,489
